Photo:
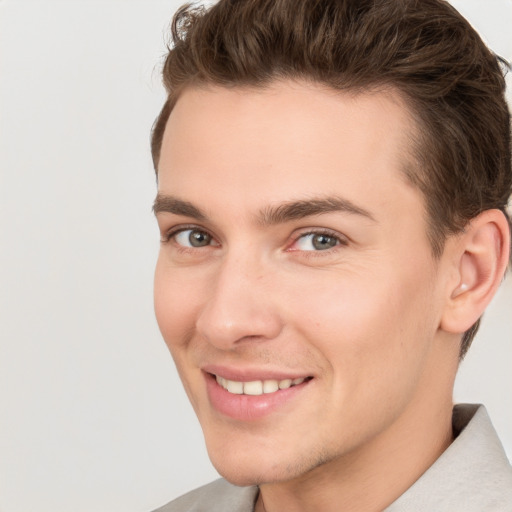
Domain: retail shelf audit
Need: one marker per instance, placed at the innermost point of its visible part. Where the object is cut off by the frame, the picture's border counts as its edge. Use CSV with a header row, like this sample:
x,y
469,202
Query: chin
x,y
246,469
244,477
241,479
241,469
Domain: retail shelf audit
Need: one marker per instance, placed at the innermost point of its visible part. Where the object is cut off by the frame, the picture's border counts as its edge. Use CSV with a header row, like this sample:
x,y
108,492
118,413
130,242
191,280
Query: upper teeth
x,y
257,387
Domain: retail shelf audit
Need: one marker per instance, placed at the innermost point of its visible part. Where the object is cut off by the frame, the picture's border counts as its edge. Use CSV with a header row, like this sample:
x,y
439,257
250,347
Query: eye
x,y
192,238
316,242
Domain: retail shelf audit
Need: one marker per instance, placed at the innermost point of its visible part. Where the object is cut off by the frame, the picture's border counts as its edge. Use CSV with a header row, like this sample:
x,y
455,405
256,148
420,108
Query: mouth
x,y
258,387
247,396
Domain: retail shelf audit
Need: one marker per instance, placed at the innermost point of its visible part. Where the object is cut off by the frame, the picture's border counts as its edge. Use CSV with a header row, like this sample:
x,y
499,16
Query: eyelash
x,y
342,240
169,235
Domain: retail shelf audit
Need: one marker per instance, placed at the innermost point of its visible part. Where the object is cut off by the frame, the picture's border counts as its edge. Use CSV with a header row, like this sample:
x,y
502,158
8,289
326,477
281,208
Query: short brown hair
x,y
425,49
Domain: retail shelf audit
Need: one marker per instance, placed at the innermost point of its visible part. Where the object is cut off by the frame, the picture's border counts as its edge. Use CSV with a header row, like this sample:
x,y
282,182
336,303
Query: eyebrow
x,y
271,215
170,204
295,210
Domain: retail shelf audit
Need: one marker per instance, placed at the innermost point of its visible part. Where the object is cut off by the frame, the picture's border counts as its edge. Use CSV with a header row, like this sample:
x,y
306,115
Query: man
x,y
332,187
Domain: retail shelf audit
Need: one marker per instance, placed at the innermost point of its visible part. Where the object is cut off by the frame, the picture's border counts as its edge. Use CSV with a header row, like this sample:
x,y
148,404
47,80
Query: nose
x,y
240,306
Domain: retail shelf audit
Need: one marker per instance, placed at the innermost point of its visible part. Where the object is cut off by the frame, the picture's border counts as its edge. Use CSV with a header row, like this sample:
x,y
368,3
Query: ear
x,y
481,258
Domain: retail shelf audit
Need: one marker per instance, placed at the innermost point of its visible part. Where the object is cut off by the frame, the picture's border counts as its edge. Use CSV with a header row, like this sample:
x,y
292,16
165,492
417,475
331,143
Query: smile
x,y
257,387
251,395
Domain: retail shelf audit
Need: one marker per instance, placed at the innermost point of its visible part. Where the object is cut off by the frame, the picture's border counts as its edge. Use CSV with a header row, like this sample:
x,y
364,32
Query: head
x,y
452,84
407,101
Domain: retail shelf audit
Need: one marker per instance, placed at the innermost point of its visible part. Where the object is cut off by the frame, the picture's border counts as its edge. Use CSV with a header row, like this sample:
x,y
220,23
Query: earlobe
x,y
482,260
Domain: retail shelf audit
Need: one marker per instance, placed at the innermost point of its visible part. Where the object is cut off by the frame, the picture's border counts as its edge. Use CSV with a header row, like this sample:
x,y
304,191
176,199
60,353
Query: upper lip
x,y
251,374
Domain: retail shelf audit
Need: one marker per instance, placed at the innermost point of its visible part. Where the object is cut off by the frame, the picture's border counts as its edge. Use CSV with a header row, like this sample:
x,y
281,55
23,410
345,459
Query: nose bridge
x,y
239,305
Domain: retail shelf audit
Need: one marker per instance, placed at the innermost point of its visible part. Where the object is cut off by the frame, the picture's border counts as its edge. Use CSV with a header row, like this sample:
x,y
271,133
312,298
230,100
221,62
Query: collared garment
x,y
472,475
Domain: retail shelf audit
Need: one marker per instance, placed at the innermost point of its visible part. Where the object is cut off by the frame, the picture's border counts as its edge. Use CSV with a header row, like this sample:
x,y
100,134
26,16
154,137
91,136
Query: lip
x,y
249,408
250,374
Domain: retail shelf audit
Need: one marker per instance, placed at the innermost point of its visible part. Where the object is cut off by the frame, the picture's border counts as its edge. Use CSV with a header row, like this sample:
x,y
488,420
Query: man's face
x,y
293,249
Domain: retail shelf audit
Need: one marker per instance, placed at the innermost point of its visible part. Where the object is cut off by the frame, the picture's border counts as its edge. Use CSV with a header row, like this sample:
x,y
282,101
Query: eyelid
x,y
169,234
342,239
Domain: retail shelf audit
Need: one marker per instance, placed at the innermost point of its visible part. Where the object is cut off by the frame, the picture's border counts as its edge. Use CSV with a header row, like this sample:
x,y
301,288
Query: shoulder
x,y
473,474
217,496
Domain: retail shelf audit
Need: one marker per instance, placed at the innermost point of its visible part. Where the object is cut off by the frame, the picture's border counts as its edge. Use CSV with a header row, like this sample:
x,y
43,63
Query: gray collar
x,y
472,475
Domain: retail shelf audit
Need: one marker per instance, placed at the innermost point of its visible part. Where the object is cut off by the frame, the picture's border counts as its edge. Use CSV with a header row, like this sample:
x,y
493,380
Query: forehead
x,y
255,146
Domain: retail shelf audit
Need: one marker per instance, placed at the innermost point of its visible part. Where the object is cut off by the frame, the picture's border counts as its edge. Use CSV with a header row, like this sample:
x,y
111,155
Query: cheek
x,y
175,301
364,324
346,306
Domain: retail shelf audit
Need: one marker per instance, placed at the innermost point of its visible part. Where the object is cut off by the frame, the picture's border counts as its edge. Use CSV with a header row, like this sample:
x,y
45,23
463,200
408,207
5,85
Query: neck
x,y
366,480
374,475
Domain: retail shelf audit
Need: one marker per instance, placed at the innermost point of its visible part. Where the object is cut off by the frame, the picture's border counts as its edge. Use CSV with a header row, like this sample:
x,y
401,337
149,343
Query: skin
x,y
365,318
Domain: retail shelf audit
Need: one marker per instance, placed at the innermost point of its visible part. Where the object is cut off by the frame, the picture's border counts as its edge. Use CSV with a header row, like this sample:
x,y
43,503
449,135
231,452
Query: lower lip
x,y
249,407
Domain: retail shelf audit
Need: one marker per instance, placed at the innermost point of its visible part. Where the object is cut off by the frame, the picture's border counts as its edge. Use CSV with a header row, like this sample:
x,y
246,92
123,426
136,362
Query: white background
x,y
92,416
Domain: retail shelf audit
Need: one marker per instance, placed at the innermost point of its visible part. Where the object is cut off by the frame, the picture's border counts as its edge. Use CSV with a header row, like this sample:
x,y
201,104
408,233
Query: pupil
x,y
323,242
198,239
